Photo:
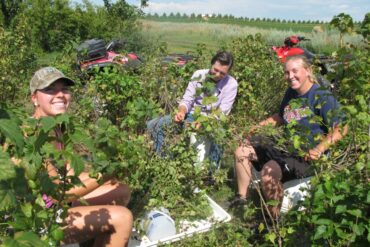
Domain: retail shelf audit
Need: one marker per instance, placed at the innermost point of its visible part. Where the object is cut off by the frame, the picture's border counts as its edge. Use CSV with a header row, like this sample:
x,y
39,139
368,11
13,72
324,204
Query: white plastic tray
x,y
187,228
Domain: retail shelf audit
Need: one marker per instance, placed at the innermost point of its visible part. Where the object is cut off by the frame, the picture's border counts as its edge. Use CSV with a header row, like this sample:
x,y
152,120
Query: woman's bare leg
x,y
244,155
111,192
272,186
111,226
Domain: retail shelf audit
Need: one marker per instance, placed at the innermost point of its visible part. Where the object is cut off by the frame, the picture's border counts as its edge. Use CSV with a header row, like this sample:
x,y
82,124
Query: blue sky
x,y
283,9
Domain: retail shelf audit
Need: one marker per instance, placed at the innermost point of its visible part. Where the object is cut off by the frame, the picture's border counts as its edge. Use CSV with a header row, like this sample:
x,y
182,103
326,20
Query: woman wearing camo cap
x,y
106,218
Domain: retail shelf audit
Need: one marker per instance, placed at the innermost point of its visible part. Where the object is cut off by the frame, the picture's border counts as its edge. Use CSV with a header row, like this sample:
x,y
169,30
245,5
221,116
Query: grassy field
x,y
183,37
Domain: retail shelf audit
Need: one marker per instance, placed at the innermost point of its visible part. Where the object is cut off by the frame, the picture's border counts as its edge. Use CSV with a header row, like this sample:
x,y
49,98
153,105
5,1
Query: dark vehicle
x,y
95,53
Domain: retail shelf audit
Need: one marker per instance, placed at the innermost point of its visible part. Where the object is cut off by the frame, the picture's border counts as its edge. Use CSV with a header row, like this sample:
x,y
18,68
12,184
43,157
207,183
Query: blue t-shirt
x,y
314,112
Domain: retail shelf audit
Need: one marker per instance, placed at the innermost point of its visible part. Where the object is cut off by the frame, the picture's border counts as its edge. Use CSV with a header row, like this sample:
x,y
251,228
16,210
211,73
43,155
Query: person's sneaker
x,y
237,201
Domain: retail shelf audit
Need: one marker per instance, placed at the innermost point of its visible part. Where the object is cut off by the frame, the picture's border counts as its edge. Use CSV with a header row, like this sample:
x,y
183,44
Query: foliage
x,y
365,27
9,9
344,23
55,23
17,61
260,79
107,135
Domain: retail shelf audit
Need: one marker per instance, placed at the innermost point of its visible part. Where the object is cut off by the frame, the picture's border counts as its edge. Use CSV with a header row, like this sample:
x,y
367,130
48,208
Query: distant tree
x,y
185,16
246,19
219,16
164,15
178,15
258,19
192,16
199,16
344,23
156,15
365,27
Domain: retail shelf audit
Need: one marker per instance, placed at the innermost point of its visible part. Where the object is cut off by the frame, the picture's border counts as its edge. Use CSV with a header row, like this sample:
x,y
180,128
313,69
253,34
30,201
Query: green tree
x,y
365,27
344,23
9,9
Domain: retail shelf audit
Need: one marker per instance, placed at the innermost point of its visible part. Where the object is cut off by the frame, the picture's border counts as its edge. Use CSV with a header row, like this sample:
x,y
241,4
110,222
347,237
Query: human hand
x,y
196,125
179,117
313,154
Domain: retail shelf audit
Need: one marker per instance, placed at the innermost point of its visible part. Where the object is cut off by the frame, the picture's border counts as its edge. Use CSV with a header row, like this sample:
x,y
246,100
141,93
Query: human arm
x,y
335,134
77,191
188,98
274,120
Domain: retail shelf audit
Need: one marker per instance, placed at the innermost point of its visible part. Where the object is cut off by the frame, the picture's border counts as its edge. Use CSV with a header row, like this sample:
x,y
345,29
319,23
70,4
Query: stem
x,y
275,226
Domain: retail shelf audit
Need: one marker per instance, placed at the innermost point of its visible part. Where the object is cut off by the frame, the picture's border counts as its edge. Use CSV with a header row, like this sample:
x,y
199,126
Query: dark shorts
x,y
292,166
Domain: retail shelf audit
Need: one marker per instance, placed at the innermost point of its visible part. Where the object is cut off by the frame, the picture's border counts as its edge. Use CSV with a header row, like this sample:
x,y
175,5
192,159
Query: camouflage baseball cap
x,y
44,77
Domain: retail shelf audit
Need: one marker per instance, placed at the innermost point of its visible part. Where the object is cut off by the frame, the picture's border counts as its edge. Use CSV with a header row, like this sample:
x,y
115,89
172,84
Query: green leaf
x,y
271,236
6,166
359,166
202,119
261,227
27,209
57,232
273,203
10,128
358,229
340,209
48,123
62,118
25,239
42,215
320,231
323,222
77,164
296,142
355,212
7,199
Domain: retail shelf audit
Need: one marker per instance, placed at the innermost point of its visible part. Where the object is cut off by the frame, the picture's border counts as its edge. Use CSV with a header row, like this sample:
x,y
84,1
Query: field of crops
x,y
183,37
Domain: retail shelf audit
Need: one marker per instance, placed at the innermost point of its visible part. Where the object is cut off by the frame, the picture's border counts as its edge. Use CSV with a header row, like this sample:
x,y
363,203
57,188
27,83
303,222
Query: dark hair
x,y
224,58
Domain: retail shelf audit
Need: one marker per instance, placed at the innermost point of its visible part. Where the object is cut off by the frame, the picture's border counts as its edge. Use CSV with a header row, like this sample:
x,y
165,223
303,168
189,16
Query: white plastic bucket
x,y
158,224
294,191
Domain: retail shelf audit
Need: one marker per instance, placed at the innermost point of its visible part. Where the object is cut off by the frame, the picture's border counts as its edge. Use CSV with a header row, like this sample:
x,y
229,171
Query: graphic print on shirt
x,y
296,114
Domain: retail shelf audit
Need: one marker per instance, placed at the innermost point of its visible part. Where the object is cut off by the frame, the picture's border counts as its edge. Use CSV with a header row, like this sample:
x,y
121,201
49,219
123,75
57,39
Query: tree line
x,y
226,18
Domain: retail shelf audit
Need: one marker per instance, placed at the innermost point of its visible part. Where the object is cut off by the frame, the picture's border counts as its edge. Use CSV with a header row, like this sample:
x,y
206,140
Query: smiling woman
x,y
106,218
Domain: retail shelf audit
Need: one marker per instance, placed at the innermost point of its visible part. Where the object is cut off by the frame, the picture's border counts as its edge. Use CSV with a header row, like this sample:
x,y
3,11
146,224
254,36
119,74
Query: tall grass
x,y
182,37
